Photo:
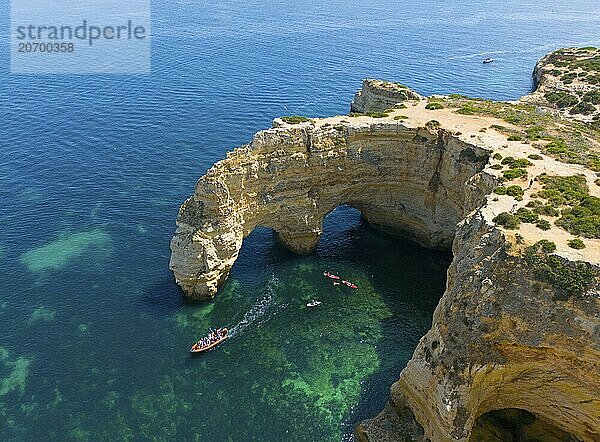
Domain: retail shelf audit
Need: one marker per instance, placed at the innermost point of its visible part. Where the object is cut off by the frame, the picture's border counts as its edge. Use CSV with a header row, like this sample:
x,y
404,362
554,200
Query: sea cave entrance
x,y
514,425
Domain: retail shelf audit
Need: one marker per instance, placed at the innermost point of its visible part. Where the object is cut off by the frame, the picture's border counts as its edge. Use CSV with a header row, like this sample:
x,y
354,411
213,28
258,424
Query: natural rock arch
x,y
417,181
498,322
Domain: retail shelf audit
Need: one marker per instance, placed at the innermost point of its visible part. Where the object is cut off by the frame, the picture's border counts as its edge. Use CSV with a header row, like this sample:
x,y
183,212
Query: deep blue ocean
x,y
94,333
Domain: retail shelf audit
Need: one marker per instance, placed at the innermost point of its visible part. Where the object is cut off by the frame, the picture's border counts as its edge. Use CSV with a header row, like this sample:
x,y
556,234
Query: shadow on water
x,y
163,297
411,281
376,388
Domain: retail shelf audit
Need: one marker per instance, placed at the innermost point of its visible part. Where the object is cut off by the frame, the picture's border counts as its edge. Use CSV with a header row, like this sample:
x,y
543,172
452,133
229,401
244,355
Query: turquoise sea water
x,y
94,333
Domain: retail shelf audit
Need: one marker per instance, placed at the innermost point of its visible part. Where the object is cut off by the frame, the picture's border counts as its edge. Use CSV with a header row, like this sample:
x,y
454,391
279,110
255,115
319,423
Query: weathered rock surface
x,y
500,339
415,181
379,95
502,336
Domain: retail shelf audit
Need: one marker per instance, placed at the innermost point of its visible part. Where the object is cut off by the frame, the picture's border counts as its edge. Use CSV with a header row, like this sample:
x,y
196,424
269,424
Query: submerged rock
x,y
41,313
58,253
19,370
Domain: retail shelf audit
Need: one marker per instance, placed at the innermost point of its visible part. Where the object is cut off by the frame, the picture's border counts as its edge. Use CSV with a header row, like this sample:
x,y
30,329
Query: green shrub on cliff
x,y
542,209
568,77
534,156
563,189
294,119
592,97
512,174
583,108
432,124
467,109
537,132
583,215
434,106
516,163
507,220
545,245
582,219
543,224
557,146
566,277
400,117
561,99
377,114
527,216
515,191
593,79
521,162
576,243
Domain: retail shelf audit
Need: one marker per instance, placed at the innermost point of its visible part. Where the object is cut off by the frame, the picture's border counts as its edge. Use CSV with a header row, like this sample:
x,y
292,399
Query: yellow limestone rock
x,y
502,337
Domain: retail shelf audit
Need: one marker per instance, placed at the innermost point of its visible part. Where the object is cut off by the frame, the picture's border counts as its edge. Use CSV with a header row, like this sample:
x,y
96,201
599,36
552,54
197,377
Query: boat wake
x,y
258,310
534,49
460,57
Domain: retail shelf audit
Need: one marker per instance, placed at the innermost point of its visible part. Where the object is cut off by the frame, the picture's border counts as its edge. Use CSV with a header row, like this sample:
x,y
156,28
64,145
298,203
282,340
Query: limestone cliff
x,y
500,340
569,80
417,181
379,95
518,326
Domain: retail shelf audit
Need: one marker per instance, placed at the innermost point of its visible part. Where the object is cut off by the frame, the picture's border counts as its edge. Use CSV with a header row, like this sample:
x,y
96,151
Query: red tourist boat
x,y
349,284
199,347
331,275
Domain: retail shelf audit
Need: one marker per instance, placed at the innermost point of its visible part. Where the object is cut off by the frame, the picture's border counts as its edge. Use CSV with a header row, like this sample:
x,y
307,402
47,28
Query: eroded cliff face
x,y
379,95
500,339
416,181
569,81
517,328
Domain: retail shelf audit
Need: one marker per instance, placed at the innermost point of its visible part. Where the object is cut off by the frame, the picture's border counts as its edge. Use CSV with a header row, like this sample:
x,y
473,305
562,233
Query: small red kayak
x,y
331,275
199,348
349,284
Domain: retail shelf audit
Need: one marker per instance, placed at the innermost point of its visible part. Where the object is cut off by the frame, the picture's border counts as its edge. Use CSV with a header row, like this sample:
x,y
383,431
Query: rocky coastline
x,y
511,188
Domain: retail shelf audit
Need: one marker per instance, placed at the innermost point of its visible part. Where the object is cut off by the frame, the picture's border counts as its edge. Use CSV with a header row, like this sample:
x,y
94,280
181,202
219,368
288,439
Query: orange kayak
x,y
198,348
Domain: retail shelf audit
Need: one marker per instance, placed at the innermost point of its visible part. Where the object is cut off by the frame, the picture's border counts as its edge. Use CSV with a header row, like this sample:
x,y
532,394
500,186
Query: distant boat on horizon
x,y
488,60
